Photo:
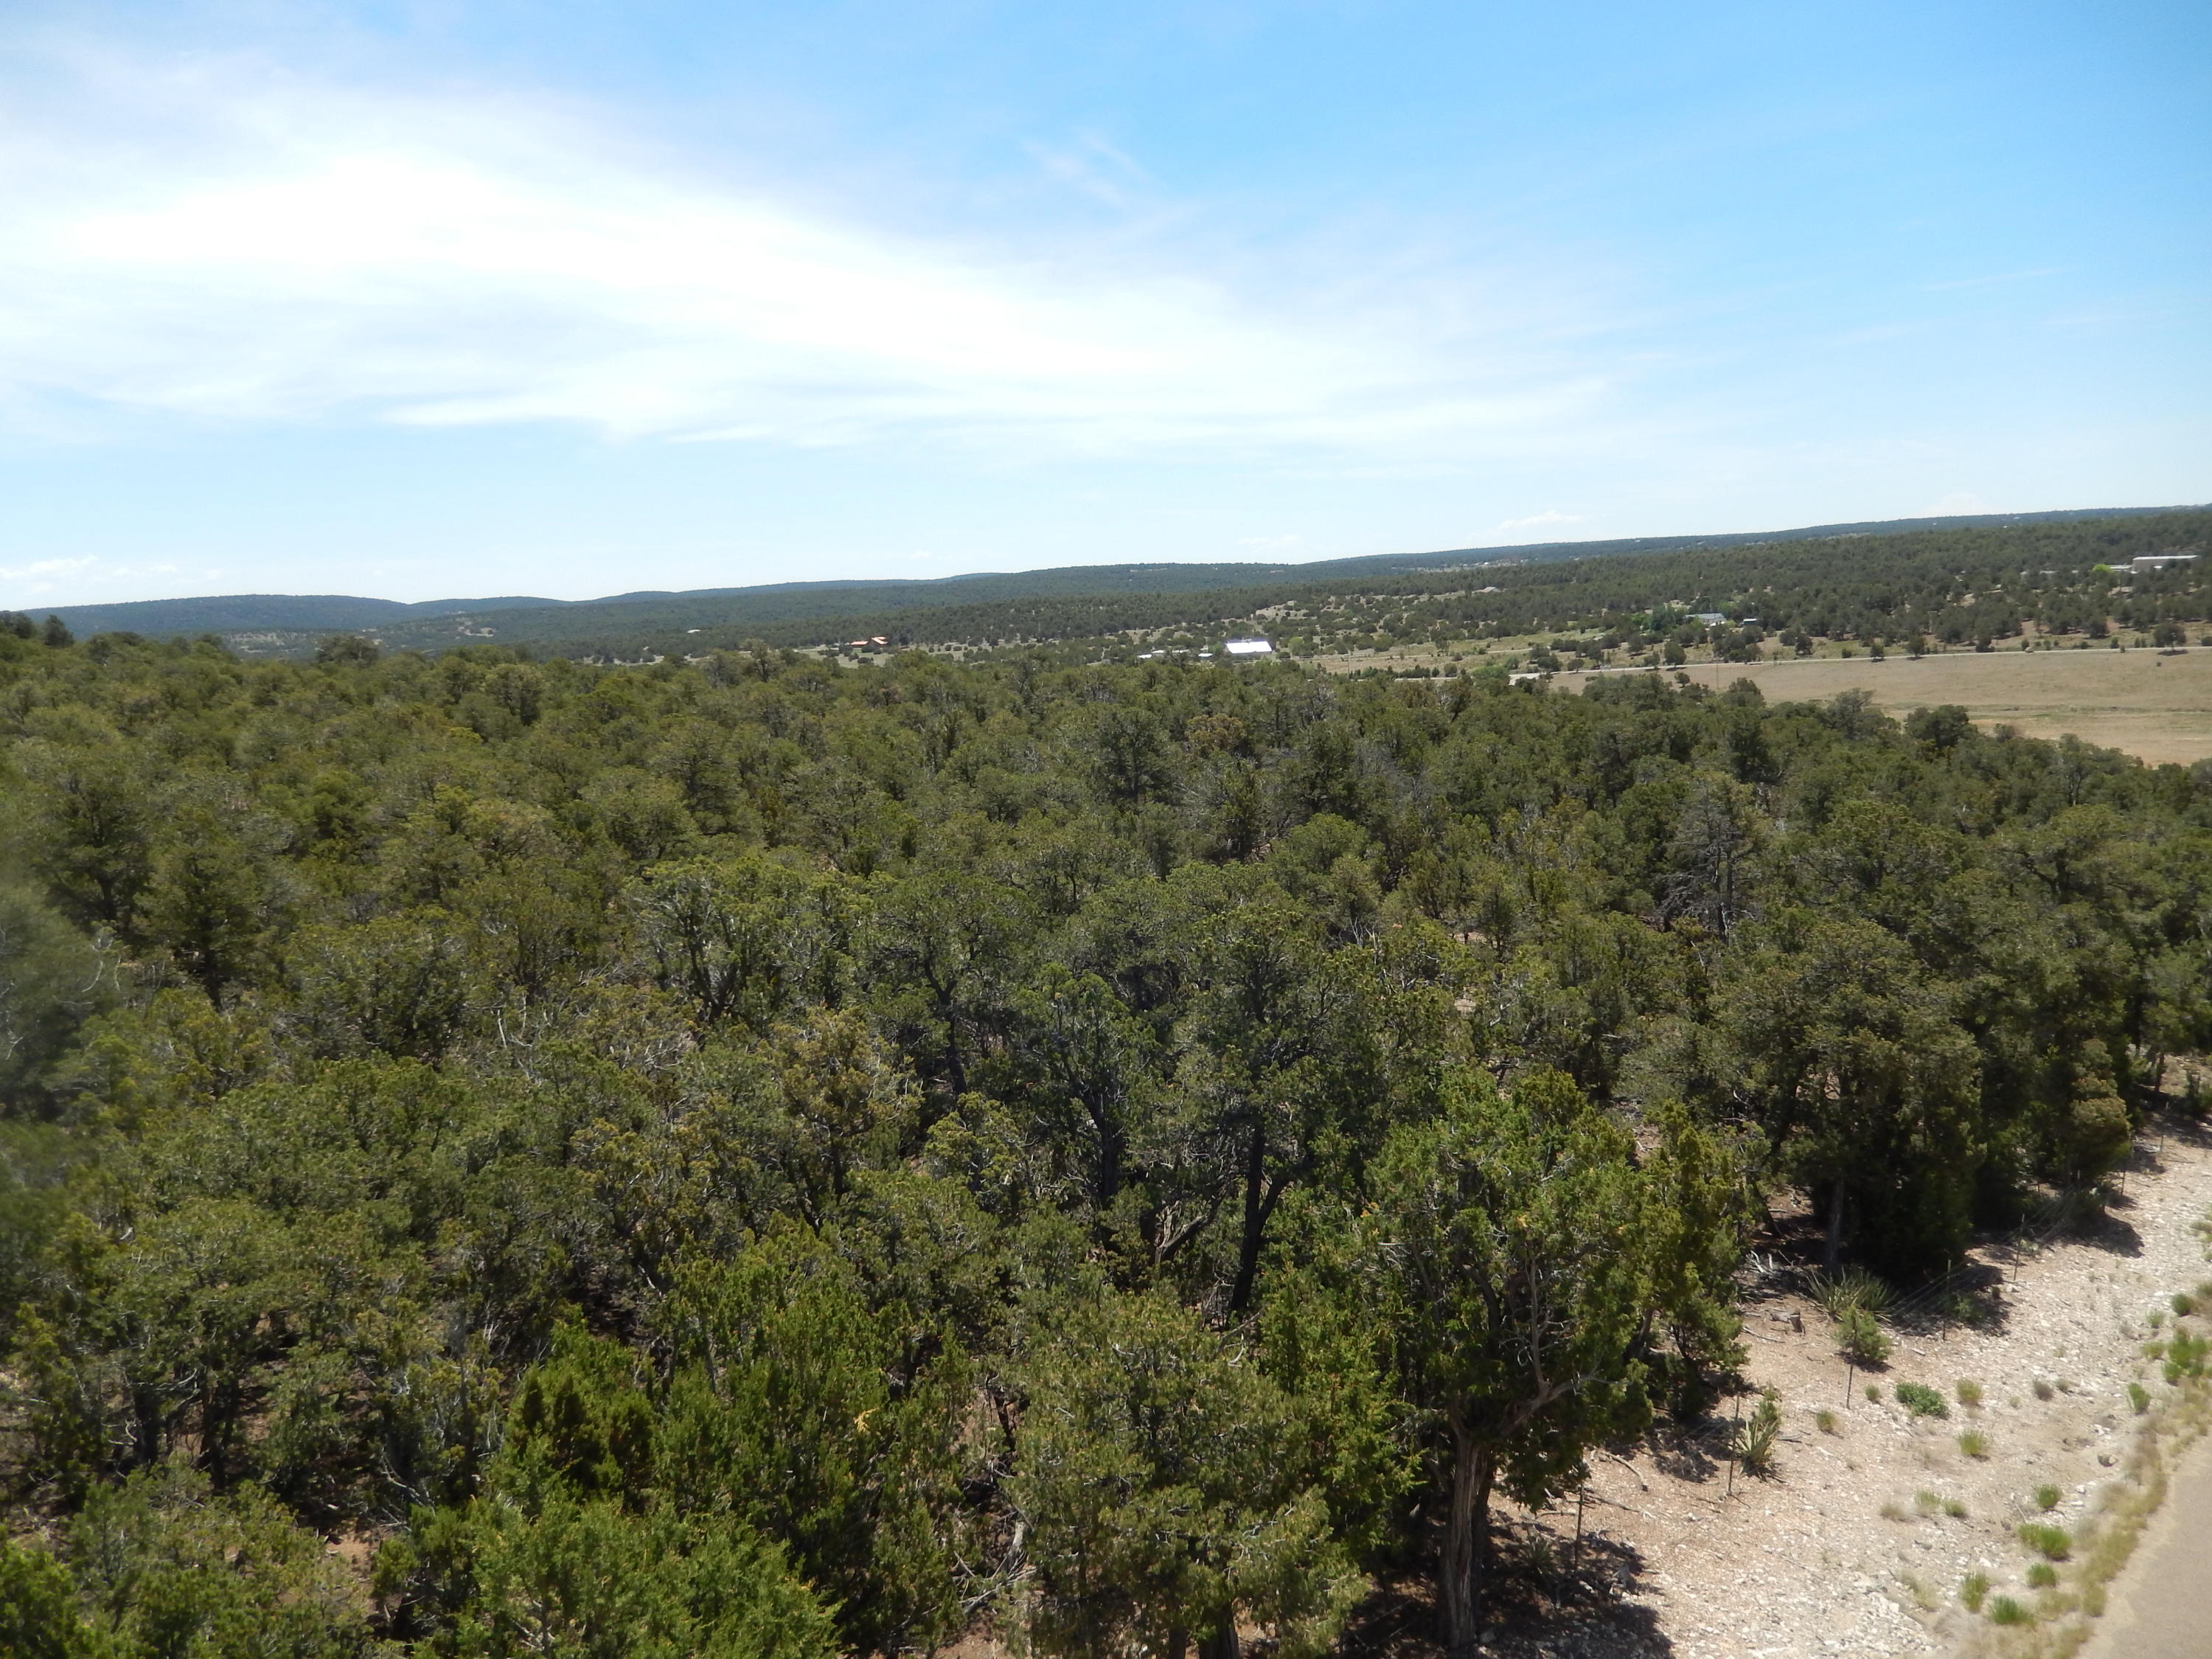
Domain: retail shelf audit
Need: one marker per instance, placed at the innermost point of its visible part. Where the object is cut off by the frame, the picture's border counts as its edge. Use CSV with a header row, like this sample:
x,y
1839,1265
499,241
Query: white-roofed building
x,y
1249,648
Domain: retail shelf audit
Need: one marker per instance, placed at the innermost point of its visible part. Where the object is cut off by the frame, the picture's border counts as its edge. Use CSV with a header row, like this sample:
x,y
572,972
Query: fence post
x,y
1735,1448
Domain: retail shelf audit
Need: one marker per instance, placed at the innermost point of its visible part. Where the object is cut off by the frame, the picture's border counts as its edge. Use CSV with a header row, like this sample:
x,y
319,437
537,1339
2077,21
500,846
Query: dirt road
x,y
2161,1606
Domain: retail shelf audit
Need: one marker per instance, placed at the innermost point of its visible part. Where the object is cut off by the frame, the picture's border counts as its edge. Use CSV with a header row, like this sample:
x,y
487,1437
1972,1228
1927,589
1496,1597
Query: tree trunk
x,y
1835,1253
1108,1128
1220,1643
1467,1546
1255,1216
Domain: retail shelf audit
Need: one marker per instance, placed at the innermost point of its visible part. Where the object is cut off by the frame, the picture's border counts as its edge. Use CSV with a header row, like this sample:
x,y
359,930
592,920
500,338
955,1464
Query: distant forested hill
x,y
1342,599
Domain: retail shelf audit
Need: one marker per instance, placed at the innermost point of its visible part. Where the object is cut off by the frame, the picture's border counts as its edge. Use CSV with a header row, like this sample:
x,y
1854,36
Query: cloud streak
x,y
266,250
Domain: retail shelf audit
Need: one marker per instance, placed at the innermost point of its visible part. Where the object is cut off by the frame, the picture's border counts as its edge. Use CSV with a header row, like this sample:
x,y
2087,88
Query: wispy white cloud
x,y
1994,277
1537,520
1093,167
38,574
1959,501
255,248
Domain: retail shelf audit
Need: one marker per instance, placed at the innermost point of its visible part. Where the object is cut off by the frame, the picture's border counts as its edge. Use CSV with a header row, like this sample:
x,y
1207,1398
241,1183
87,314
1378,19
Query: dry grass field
x,y
2155,705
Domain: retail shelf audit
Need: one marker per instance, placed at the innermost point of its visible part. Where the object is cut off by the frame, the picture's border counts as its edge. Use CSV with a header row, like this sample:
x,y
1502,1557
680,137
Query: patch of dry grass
x,y
2155,705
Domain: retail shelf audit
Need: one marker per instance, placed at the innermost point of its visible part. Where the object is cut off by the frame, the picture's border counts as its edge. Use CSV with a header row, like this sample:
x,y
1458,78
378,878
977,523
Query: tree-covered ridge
x,y
1953,582
760,1157
1953,587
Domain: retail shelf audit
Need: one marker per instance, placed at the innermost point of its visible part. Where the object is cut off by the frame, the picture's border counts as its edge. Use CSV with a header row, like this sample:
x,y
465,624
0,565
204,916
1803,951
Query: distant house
x,y
1249,648
2150,561
1711,618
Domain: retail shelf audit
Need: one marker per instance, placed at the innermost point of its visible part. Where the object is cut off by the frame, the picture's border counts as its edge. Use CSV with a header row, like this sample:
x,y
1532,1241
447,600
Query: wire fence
x,y
2045,1220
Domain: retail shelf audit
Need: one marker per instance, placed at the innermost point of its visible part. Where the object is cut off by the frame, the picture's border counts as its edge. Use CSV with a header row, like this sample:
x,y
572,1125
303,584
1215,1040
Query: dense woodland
x,y
760,1158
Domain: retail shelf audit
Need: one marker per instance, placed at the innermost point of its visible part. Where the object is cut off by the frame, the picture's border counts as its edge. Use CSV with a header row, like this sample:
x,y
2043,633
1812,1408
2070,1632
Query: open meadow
x,y
2155,705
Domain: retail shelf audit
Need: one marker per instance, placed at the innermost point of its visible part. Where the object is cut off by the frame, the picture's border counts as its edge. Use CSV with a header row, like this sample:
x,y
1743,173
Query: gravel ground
x,y
1858,1543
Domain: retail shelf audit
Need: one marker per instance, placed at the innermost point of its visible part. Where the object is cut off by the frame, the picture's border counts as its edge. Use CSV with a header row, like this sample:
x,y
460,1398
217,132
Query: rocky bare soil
x,y
1859,1541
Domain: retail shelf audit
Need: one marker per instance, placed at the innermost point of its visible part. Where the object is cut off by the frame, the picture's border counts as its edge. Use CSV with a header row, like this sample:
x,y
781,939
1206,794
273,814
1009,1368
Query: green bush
x,y
2006,1611
2051,1542
1969,1393
1971,1589
1974,1443
2046,1497
2139,1397
1921,1399
2042,1576
2185,1355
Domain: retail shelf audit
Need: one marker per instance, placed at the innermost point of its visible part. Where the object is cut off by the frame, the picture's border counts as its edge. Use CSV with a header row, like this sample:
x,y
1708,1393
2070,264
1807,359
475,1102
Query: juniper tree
x,y
1514,1264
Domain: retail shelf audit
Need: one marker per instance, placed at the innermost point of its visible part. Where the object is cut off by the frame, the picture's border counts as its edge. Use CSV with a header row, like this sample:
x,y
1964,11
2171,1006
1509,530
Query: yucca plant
x,y
1754,1444
1854,1287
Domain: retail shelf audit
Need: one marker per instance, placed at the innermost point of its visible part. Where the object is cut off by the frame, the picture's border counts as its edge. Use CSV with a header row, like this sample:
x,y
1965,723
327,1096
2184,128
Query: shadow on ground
x,y
1547,1599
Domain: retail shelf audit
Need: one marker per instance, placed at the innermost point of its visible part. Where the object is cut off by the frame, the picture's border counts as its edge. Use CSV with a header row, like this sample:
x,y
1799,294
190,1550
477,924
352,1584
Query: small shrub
x,y
1861,1338
1926,1503
2046,1497
2053,1543
2006,1611
1969,1393
2139,1397
1872,1393
2184,1304
1895,1511
1921,1399
1955,1508
2185,1356
1974,1443
1754,1446
1824,1421
2042,1390
2042,1576
1965,1307
1971,1589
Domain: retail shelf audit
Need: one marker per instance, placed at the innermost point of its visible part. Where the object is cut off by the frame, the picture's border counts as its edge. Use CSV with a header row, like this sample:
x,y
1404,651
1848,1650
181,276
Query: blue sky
x,y
435,299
